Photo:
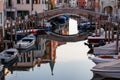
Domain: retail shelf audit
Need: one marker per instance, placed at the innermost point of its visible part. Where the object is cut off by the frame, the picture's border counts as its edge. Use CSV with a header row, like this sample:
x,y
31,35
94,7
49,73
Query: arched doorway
x,y
108,10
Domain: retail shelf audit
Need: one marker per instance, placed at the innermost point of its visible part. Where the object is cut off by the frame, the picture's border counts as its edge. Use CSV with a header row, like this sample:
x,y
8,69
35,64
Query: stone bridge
x,y
26,25
71,11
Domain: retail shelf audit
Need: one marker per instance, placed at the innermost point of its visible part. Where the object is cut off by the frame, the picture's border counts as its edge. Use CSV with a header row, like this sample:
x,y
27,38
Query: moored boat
x,y
108,69
8,55
103,58
108,49
26,42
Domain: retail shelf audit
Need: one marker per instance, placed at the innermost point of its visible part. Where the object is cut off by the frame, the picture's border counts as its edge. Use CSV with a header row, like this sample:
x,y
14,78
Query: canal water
x,y
71,63
59,61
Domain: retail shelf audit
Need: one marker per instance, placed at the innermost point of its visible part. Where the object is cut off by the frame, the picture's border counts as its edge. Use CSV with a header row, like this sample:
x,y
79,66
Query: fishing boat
x,y
8,55
103,58
108,69
26,42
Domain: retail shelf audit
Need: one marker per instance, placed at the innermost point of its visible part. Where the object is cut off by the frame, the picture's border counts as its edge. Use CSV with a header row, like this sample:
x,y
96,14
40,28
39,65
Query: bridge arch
x,y
72,11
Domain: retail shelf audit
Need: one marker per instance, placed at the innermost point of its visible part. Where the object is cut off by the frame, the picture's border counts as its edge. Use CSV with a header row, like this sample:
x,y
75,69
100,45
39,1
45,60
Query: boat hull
x,y
5,58
107,74
23,46
100,60
26,44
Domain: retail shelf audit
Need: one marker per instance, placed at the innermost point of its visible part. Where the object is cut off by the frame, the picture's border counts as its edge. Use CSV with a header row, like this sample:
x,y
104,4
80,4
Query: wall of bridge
x,y
79,12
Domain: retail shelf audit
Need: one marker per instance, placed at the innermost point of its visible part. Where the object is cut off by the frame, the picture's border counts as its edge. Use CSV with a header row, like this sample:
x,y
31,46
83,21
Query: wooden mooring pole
x,y
117,39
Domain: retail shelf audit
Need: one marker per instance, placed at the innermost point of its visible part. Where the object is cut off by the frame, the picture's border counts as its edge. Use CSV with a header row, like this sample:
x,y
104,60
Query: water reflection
x,y
30,59
53,61
73,27
98,77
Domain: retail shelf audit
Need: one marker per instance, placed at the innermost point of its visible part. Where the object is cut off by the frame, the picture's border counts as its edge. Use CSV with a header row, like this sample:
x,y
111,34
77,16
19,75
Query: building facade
x,y
73,3
62,3
90,4
10,9
82,3
1,20
15,8
108,7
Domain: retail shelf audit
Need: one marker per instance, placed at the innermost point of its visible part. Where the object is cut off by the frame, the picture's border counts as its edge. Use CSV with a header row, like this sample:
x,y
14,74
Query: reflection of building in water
x,y
41,51
51,50
1,72
47,54
50,54
43,47
65,31
98,77
26,60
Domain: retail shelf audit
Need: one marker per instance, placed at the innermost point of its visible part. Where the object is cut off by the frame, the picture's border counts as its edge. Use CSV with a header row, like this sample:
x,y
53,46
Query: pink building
x,y
20,8
1,19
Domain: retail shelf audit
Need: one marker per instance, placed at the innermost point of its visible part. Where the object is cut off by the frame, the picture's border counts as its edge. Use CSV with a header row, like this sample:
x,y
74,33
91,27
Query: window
x,y
46,1
0,18
22,13
36,1
18,1
65,1
118,4
43,2
9,3
60,1
11,15
27,1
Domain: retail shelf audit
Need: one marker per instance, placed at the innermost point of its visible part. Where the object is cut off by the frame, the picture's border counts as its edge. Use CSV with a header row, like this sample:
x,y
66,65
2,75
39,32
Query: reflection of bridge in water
x,y
65,38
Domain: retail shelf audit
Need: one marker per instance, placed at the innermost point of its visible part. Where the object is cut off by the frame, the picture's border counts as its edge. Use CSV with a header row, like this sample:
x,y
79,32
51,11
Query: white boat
x,y
26,42
108,49
103,58
108,69
8,55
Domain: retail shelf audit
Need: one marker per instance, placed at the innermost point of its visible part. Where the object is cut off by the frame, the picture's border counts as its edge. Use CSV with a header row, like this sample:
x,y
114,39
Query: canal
x,y
71,63
51,60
